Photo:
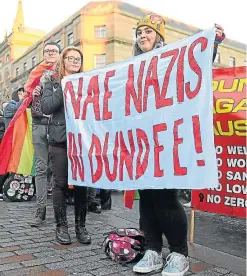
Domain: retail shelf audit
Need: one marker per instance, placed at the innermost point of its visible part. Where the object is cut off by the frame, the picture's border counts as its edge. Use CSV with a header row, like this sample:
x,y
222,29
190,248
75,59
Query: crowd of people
x,y
161,213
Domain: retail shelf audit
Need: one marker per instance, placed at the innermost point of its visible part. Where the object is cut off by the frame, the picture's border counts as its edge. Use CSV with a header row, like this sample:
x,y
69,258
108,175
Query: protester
x,y
105,199
93,202
160,210
11,108
39,130
71,61
2,130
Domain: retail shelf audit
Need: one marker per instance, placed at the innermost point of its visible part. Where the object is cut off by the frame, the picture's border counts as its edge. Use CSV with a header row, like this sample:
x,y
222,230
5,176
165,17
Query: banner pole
x,y
192,225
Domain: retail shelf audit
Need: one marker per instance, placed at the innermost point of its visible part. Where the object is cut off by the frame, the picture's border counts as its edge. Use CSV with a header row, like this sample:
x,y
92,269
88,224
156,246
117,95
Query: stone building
x,y
104,31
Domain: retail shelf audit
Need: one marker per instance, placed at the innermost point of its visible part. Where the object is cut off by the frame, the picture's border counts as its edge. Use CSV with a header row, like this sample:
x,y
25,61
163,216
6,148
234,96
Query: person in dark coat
x,y
71,61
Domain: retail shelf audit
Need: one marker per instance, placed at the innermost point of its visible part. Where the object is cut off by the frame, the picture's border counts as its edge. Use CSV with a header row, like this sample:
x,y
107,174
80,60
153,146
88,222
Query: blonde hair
x,y
61,67
159,42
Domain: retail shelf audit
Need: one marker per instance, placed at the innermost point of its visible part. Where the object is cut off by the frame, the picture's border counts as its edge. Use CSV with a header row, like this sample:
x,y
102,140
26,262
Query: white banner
x,y
146,122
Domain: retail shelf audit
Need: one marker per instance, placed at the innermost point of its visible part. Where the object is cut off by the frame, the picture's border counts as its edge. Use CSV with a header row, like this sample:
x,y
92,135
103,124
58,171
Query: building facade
x,y
13,47
105,32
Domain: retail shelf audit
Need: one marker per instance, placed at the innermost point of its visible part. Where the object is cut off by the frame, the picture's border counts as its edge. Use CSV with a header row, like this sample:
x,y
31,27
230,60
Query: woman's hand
x,y
220,35
36,91
219,30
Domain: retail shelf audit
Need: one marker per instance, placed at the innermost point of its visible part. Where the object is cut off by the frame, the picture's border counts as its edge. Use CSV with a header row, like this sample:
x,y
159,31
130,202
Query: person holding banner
x,y
160,210
71,61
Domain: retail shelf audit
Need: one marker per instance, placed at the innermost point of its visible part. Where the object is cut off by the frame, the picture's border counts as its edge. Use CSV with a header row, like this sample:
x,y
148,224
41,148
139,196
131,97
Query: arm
x,y
220,36
52,97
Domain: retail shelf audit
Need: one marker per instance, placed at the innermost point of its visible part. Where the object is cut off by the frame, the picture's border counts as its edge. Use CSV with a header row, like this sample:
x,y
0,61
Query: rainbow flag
x,y
16,148
129,197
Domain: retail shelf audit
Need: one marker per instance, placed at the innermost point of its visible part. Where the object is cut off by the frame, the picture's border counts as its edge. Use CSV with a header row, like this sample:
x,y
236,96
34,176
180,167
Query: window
x,y
99,61
59,43
245,63
100,31
217,58
134,35
33,61
17,71
70,38
7,58
232,62
25,67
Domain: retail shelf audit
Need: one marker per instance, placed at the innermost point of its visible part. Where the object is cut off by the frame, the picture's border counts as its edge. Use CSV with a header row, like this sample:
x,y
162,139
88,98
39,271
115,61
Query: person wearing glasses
x,y
39,131
71,62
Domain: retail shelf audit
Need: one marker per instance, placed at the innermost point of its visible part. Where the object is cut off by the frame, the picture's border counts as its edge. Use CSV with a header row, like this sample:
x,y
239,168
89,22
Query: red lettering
x,y
163,101
95,144
107,114
197,138
157,149
75,160
195,67
111,176
126,156
76,103
142,166
177,141
151,80
93,86
180,76
130,89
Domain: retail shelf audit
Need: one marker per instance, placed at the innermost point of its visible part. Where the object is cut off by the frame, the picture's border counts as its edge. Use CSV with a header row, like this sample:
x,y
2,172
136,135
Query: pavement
x,y
219,248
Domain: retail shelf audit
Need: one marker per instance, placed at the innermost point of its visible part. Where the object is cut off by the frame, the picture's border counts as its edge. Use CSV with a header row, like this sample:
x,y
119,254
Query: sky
x,y
47,14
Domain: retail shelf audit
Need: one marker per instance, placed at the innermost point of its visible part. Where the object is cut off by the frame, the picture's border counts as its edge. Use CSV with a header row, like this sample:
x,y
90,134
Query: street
x,y
219,249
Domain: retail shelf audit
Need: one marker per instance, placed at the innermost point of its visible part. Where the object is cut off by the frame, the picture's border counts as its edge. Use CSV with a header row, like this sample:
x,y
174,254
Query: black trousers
x,y
104,195
92,198
162,213
60,179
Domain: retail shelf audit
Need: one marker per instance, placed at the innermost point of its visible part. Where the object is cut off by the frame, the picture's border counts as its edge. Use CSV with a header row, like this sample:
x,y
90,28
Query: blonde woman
x,y
71,62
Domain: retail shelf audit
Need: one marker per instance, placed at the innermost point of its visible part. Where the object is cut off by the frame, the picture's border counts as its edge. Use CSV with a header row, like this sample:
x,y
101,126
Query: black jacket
x,y
52,104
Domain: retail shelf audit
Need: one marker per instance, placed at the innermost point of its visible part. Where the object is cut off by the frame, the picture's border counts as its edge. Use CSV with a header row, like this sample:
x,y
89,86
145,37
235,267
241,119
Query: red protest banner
x,y
230,107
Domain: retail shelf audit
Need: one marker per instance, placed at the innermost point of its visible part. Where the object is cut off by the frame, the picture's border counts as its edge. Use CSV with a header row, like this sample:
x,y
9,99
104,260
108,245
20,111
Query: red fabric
x,y
34,77
6,144
129,198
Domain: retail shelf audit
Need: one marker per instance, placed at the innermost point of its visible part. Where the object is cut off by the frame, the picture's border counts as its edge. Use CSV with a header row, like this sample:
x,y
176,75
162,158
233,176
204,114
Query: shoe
x,y
94,209
62,235
176,265
39,218
80,222
82,234
151,261
188,204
